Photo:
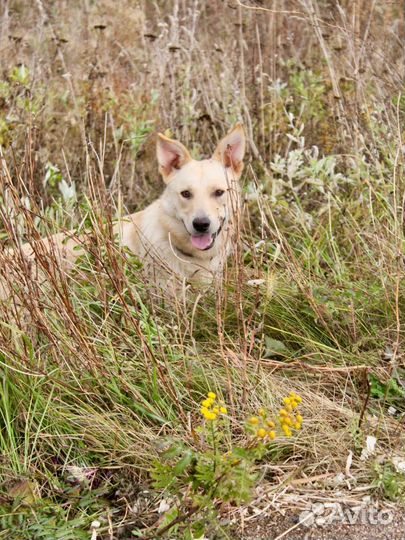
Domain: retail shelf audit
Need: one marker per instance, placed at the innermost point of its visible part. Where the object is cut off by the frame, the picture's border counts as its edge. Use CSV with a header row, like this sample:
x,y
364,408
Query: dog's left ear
x,y
171,155
231,149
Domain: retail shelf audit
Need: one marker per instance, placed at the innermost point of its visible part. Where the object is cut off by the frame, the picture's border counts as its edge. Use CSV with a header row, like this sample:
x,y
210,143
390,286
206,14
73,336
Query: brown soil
x,y
266,527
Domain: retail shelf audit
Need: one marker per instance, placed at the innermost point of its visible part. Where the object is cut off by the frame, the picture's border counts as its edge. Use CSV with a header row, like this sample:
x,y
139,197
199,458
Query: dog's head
x,y
200,195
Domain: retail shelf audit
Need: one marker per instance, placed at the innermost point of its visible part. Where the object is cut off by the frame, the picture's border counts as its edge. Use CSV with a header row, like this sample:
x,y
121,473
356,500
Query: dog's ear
x,y
171,155
231,149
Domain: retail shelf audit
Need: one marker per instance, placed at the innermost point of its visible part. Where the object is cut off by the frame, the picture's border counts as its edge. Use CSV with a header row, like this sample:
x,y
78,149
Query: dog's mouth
x,y
205,241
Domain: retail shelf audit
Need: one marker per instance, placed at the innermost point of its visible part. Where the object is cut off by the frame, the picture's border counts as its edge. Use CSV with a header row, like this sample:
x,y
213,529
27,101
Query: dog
x,y
188,231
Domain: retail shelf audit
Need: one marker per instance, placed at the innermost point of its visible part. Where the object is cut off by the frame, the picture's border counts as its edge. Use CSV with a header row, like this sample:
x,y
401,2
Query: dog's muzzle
x,y
198,240
214,236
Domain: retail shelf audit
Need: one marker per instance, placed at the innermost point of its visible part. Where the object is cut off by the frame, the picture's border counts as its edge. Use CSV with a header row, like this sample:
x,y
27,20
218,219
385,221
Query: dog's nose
x,y
201,224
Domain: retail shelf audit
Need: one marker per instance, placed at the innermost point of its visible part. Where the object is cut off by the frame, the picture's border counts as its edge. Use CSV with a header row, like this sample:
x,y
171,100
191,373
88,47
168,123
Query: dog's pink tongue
x,y
201,242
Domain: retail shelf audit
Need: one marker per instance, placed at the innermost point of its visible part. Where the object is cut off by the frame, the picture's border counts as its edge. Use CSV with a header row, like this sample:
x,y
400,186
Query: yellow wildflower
x,y
211,395
223,410
272,435
270,424
261,433
299,418
207,402
261,412
287,430
208,415
253,420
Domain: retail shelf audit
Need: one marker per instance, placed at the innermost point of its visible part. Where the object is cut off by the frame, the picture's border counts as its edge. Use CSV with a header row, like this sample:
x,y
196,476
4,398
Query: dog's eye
x,y
219,192
186,194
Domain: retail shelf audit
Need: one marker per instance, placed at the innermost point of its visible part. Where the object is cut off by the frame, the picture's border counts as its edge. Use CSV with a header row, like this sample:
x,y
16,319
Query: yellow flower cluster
x,y
289,416
265,427
289,419
210,409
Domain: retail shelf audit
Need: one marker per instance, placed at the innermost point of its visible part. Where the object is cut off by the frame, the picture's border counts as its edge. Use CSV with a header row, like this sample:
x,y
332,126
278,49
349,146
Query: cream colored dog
x,y
187,232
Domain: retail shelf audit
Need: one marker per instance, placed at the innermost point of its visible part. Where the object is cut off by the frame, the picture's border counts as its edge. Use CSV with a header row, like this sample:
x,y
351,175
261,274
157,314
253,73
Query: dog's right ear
x,y
171,156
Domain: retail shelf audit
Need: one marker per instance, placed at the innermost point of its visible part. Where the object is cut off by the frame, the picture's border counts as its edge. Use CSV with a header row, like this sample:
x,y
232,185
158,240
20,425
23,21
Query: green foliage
x,y
199,478
389,482
20,75
213,470
53,176
390,392
67,516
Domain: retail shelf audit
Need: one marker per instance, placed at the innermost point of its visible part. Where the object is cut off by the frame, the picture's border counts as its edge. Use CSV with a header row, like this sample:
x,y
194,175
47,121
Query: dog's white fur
x,y
163,234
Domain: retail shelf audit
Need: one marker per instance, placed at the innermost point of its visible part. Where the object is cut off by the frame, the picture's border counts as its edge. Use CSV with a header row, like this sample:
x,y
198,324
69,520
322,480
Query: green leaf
x,y
25,491
182,465
274,347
